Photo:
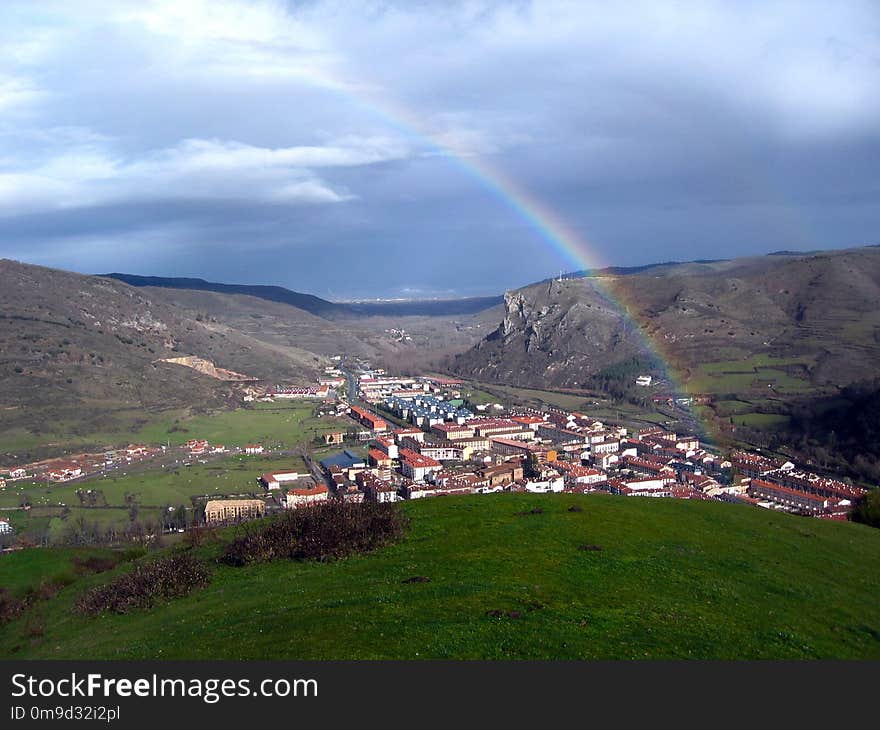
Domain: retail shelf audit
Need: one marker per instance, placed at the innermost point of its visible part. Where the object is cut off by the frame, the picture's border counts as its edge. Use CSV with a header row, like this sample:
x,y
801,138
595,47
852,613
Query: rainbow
x,y
551,229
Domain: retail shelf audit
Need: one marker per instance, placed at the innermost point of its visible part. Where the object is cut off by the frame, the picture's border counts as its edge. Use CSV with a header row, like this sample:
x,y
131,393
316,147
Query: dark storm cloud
x,y
271,141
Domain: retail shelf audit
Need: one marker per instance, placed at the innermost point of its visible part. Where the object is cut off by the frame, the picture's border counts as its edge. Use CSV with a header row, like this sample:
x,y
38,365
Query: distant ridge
x,y
308,302
315,305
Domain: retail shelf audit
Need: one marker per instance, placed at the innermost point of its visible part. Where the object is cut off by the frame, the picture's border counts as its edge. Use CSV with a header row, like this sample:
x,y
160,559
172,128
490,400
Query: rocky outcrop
x,y
557,333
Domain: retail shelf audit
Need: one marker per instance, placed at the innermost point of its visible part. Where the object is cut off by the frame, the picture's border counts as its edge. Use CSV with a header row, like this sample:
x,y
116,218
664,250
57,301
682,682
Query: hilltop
x,y
505,577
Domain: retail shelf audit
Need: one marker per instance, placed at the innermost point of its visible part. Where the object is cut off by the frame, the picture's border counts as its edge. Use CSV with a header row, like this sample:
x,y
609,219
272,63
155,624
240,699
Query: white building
x,y
555,484
306,497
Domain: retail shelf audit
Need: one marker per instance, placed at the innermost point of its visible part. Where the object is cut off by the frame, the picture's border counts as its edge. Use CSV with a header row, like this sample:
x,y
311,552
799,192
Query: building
x,y
791,499
218,511
5,527
418,491
344,460
334,439
452,431
413,433
253,449
502,427
577,475
291,391
375,488
416,466
531,422
367,419
515,447
644,380
306,497
501,474
380,459
647,487
274,481
557,434
386,444
64,471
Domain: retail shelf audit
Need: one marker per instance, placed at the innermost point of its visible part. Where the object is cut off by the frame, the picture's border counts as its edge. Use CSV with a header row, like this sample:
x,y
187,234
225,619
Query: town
x,y
413,437
423,442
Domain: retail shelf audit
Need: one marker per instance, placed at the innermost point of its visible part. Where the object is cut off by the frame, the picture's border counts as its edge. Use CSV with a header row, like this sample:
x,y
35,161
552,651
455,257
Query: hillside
x,y
815,313
78,353
376,338
86,357
663,579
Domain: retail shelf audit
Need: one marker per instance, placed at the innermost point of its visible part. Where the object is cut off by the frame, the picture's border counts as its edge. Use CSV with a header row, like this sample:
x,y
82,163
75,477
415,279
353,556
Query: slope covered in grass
x,y
622,578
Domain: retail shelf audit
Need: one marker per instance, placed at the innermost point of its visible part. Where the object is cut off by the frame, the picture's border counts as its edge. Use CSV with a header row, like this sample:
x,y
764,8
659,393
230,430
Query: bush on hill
x,y
322,532
169,577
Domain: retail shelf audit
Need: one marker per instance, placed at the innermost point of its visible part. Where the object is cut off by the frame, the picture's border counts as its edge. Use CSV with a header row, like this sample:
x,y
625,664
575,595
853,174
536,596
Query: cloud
x,y
330,127
193,169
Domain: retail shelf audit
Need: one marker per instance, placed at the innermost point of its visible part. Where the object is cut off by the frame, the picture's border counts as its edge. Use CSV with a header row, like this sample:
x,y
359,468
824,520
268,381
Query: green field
x,y
755,375
673,579
624,413
151,488
767,421
273,424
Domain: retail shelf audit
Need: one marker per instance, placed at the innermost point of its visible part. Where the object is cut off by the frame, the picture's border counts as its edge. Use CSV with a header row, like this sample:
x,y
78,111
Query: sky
x,y
358,149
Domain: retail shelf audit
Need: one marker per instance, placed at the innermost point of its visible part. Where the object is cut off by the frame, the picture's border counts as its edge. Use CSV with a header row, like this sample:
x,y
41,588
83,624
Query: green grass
x,y
750,376
767,421
152,488
272,424
276,425
674,579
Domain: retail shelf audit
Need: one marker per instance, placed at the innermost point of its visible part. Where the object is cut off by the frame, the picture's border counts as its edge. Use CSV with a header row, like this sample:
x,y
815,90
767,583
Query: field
x,y
280,425
756,375
596,406
661,579
753,390
151,488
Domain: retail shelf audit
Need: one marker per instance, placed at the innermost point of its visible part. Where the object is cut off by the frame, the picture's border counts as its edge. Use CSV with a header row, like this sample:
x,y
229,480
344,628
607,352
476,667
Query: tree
x,y
867,509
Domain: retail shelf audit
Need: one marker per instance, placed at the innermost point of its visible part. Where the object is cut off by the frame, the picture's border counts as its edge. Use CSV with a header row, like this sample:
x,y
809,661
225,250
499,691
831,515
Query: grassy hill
x,y
671,579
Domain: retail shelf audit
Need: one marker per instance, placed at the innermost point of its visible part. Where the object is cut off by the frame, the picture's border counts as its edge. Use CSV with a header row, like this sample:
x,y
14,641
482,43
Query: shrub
x,y
10,607
169,577
322,532
95,563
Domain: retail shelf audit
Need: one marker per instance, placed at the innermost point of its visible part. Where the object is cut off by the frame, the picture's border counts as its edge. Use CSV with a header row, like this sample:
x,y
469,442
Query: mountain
x,y
321,307
78,352
818,312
